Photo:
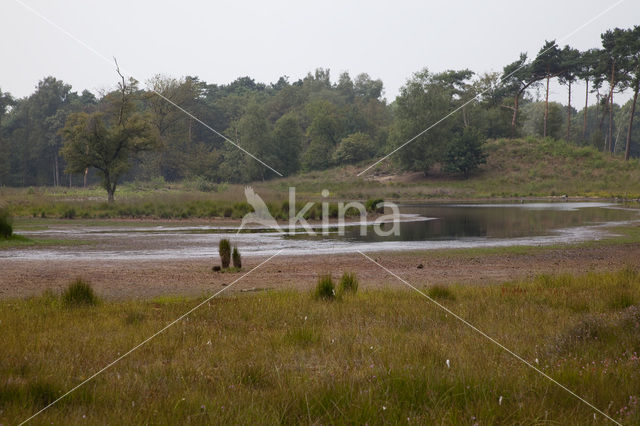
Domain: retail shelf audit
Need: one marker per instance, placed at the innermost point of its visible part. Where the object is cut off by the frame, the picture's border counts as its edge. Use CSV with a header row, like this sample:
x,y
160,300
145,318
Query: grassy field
x,y
378,356
515,168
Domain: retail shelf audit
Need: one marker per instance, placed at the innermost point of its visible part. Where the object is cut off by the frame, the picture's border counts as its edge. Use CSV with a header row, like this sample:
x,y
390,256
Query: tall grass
x,y
284,358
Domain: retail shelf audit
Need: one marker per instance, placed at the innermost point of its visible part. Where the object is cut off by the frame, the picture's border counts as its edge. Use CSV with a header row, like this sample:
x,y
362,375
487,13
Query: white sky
x,y
221,40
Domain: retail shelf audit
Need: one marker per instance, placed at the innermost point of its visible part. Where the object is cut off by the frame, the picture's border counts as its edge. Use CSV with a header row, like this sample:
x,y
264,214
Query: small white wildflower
x,y
384,408
209,342
537,362
448,364
371,348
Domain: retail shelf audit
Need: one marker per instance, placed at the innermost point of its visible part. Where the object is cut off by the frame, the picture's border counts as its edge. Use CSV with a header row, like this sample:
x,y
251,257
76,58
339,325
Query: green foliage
x,y
348,283
224,249
373,205
79,293
354,148
422,102
69,213
311,124
325,288
236,258
6,225
108,141
465,152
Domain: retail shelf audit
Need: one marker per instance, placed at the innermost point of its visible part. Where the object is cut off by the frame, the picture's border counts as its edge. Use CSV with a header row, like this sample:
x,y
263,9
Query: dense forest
x,y
57,136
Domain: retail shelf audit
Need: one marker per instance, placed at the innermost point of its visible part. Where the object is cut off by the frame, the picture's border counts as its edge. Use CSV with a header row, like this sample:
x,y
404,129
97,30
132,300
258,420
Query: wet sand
x,y
125,279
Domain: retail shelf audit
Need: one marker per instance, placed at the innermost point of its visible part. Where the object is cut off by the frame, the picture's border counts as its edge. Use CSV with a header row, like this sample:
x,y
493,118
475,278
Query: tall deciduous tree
x,y
108,140
421,103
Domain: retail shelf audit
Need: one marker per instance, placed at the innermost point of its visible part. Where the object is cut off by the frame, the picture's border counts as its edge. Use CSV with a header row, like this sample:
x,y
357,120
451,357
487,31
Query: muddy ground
x,y
124,279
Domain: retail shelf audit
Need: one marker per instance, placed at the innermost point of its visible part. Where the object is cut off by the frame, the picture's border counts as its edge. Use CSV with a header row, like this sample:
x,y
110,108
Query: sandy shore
x,y
143,279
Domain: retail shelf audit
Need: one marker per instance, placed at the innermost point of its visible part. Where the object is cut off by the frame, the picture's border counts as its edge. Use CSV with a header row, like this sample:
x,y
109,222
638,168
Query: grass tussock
x,y
377,357
348,283
325,288
440,292
236,258
224,249
79,293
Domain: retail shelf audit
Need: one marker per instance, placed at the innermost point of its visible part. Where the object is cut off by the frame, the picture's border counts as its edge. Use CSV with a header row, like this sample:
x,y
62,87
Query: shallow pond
x,y
423,226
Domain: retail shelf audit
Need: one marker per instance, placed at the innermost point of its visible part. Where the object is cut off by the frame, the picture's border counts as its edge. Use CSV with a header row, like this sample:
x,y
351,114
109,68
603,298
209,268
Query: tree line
x,y
57,136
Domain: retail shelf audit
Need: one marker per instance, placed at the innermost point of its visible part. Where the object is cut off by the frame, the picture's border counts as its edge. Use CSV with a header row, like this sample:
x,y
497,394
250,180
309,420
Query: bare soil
x,y
146,279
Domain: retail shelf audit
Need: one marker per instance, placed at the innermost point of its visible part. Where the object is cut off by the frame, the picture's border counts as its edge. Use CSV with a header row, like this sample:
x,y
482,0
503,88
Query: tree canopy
x,y
57,135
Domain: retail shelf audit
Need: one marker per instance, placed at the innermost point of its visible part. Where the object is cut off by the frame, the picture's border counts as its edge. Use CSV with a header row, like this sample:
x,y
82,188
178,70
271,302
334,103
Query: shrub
x,y
325,289
79,293
348,283
224,249
236,258
591,328
69,213
372,205
6,228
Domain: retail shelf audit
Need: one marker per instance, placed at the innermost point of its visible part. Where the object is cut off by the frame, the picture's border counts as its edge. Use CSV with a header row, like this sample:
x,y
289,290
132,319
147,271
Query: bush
x,y
79,293
348,283
325,289
69,213
465,152
6,228
372,205
236,258
224,249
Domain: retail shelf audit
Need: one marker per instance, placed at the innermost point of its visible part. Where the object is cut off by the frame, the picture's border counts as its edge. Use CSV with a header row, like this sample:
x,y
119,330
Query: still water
x,y
423,227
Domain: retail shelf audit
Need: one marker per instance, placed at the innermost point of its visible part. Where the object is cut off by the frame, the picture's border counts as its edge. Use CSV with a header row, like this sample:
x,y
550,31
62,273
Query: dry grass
x,y
378,356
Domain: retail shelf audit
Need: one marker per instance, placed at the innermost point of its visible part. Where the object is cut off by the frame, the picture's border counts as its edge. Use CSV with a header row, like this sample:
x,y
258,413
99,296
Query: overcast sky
x,y
221,40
